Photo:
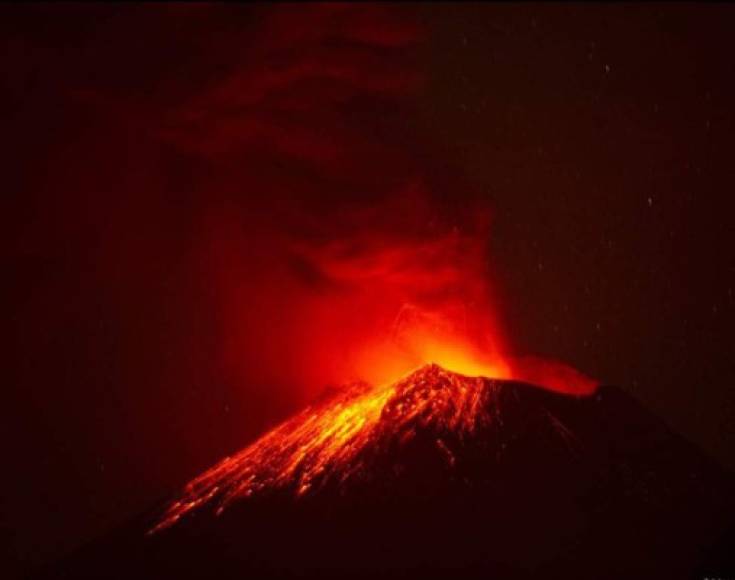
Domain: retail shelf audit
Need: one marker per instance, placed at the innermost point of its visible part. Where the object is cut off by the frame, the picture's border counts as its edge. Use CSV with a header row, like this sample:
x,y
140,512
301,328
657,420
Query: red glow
x,y
401,302
371,305
345,266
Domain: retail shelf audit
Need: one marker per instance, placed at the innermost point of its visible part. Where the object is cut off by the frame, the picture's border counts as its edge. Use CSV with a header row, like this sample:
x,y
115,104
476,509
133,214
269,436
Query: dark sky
x,y
599,136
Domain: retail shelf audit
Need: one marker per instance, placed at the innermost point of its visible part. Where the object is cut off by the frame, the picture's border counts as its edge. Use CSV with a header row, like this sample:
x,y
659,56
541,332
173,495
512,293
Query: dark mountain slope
x,y
441,475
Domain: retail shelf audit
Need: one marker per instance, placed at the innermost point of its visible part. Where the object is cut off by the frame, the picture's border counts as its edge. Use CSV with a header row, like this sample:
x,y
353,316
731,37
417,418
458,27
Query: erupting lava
x,y
333,441
363,271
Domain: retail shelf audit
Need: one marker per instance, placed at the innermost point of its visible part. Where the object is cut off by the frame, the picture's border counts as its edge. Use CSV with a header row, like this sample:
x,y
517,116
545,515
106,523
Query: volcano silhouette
x,y
440,475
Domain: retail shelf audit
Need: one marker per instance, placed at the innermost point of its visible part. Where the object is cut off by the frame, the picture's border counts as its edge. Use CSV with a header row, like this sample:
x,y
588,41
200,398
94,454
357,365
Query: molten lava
x,y
332,441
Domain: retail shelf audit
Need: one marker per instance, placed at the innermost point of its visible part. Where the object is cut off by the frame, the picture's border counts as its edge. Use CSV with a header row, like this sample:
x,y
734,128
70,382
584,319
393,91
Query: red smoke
x,y
334,253
370,305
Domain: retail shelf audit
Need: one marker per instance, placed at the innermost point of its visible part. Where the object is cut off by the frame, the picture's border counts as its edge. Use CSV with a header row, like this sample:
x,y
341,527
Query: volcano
x,y
440,475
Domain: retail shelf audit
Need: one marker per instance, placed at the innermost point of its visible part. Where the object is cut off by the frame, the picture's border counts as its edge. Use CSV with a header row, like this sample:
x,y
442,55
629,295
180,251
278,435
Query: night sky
x,y
149,182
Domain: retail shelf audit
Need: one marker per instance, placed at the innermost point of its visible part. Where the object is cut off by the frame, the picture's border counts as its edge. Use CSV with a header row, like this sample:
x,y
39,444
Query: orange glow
x,y
371,305
327,442
386,362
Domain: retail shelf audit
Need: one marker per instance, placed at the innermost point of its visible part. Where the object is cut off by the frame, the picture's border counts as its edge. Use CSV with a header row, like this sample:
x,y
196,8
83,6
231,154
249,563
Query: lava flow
x,y
331,442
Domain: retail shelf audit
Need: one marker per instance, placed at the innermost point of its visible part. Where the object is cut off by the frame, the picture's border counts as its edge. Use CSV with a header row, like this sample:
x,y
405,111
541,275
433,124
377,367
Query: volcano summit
x,y
440,474
346,440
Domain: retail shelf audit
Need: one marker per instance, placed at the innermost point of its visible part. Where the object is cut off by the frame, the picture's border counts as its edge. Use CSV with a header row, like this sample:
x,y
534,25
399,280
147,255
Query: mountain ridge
x,y
545,485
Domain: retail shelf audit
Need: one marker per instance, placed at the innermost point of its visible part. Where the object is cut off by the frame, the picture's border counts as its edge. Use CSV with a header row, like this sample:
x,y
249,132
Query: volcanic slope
x,y
440,475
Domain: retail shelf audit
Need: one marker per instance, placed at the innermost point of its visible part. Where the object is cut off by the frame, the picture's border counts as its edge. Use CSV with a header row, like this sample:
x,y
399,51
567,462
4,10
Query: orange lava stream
x,y
324,442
